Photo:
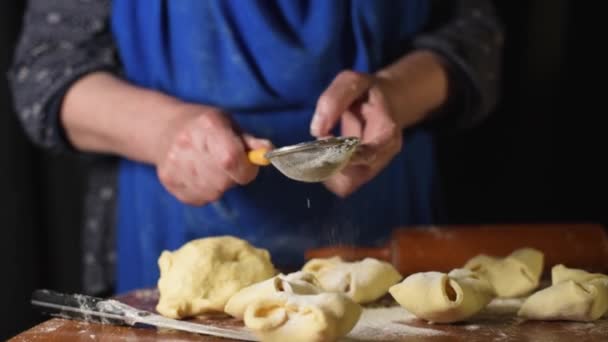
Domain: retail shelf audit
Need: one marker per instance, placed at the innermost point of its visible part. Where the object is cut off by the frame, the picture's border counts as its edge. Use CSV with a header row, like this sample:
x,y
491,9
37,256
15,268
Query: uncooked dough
x,y
363,281
513,276
561,273
203,274
574,295
443,298
297,282
285,316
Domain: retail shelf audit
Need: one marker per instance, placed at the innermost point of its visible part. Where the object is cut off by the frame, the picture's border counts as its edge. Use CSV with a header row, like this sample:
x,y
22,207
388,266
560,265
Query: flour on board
x,y
377,324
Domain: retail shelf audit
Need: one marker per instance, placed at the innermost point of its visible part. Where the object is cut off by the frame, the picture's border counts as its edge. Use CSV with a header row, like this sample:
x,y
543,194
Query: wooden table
x,y
496,323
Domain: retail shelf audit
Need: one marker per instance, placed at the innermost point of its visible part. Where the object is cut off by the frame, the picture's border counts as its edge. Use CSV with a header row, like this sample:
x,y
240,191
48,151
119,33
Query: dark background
x,y
537,159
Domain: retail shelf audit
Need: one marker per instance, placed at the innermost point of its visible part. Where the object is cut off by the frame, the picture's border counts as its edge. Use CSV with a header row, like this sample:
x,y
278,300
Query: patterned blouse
x,y
63,40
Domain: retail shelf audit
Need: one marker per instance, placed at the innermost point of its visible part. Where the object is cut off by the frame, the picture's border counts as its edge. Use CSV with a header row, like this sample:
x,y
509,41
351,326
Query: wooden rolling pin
x,y
443,248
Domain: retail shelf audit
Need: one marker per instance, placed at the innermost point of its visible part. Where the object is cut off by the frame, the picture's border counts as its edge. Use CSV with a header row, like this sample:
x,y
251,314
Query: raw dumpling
x,y
363,281
298,282
203,274
574,295
513,276
293,317
568,300
443,298
561,273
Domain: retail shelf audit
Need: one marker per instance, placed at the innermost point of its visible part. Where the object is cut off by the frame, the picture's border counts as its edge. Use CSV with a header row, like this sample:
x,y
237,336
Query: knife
x,y
110,311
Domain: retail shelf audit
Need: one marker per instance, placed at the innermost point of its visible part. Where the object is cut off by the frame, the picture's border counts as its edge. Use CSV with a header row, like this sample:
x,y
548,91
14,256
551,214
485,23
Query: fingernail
x,y
266,142
315,125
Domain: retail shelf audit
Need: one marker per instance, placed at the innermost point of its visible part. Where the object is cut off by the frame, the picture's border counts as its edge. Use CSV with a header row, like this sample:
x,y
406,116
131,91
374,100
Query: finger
x,y
348,180
180,177
375,155
183,189
354,175
380,127
214,183
352,125
253,143
344,90
325,137
364,155
257,149
169,173
228,152
193,196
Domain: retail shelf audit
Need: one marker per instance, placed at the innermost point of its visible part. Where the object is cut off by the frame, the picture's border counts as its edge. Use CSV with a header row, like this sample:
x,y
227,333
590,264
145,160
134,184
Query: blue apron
x,y
265,63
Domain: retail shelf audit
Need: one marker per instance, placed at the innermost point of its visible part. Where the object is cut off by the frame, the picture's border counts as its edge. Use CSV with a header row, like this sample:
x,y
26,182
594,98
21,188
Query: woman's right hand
x,y
197,150
202,155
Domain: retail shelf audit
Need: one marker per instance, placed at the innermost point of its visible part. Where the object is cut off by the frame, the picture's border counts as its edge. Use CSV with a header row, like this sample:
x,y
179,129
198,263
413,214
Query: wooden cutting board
x,y
381,321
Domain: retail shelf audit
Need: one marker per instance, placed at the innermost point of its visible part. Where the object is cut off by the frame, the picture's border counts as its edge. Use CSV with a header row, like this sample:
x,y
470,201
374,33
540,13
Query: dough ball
x,y
513,276
443,298
568,300
575,295
363,281
293,317
298,282
203,274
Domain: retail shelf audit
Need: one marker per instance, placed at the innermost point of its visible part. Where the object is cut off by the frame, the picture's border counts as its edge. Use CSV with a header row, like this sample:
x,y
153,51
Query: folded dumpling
x,y
297,282
443,298
285,316
575,295
561,273
513,276
363,281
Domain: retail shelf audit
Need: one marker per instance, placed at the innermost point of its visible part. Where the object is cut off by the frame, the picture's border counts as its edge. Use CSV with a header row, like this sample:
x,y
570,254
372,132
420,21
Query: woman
x,y
194,85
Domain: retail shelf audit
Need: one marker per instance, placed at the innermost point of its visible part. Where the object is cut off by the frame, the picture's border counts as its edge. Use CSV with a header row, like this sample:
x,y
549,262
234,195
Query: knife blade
x,y
110,311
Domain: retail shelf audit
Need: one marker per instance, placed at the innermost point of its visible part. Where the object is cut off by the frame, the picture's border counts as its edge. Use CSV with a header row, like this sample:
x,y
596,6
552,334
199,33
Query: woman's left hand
x,y
376,108
360,102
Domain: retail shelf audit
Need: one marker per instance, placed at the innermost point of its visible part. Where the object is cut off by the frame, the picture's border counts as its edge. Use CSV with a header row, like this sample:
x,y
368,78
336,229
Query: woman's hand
x,y
376,108
360,102
197,151
203,155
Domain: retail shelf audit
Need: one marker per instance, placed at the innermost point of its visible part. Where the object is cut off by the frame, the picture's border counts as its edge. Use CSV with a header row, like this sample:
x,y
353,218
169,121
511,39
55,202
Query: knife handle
x,y
80,307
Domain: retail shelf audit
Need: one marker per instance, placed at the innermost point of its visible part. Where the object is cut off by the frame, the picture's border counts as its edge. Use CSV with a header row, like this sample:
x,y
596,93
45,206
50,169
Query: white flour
x,y
388,324
51,326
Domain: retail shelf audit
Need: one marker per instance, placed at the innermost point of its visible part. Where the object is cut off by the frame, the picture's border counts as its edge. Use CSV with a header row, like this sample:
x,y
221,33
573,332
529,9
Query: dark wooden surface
x,y
497,323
